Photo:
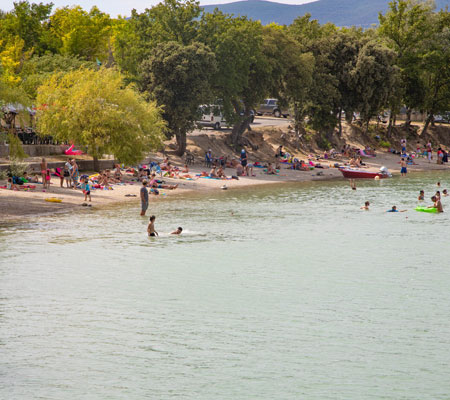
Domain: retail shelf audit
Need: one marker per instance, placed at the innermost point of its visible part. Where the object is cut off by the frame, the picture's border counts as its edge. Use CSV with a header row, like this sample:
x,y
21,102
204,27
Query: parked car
x,y
443,118
212,116
270,106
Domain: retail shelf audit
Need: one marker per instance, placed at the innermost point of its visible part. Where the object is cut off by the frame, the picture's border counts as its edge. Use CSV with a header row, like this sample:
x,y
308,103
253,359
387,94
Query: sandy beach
x,y
24,204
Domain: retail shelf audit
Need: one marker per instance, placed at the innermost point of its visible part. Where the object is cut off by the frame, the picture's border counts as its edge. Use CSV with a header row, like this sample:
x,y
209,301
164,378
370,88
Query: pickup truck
x,y
270,106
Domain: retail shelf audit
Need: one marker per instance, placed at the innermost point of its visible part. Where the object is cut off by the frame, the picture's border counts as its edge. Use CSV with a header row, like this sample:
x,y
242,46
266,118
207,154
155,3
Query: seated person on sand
x,y
164,164
185,170
142,174
117,173
213,173
270,170
300,165
279,152
354,162
10,185
239,170
220,173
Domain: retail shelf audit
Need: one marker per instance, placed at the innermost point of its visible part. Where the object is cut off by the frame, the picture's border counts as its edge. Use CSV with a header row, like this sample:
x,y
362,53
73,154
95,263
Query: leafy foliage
x,y
95,109
178,77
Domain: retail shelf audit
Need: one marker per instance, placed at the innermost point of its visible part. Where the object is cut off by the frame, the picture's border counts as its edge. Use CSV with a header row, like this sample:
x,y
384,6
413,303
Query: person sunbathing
x,y
155,184
185,169
270,170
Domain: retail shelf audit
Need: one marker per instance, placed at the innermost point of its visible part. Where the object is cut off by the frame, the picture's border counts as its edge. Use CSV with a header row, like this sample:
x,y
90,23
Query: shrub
x,y
16,167
385,144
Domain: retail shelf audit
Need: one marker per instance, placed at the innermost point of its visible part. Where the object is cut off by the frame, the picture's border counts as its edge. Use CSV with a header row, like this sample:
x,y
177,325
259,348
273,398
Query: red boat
x,y
353,173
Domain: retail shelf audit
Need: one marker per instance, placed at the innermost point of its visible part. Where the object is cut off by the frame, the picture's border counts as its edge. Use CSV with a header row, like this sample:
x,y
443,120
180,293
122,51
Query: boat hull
x,y
361,174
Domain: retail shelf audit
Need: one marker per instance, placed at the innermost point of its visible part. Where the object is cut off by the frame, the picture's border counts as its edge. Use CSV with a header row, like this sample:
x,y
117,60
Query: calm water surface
x,y
287,292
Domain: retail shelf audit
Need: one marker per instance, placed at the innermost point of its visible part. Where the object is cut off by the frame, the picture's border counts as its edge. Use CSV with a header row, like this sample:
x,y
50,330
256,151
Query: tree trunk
x,y
427,124
340,122
181,142
96,164
367,126
408,118
391,121
238,130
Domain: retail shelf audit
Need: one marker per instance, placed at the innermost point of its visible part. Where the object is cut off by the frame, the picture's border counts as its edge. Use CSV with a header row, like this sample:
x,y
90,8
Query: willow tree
x,y
97,110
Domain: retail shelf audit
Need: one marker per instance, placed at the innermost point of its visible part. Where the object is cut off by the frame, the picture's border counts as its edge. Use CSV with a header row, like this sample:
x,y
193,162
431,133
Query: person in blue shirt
x,y
394,209
87,189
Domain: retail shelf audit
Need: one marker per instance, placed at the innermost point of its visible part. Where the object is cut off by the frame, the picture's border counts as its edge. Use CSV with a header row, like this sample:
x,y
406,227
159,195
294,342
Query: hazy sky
x,y
122,7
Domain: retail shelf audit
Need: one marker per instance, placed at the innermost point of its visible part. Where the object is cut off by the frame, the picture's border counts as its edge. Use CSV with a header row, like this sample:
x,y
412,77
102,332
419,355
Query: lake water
x,y
286,292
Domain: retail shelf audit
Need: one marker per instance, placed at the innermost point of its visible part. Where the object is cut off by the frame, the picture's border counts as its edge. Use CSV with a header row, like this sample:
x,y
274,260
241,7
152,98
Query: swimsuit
x,y
152,234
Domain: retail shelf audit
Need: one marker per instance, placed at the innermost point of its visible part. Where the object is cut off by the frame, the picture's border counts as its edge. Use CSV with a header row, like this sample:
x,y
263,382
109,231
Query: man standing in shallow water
x,y
144,198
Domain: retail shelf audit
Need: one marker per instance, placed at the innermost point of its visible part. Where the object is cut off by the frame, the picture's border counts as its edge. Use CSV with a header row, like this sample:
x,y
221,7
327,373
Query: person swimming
x,y
366,206
177,231
421,196
394,209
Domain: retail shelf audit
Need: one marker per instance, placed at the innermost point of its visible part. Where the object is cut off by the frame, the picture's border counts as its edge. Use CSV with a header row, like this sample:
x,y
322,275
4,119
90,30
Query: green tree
x,y
26,21
168,21
94,108
178,78
76,32
37,70
375,78
243,73
435,68
404,28
291,71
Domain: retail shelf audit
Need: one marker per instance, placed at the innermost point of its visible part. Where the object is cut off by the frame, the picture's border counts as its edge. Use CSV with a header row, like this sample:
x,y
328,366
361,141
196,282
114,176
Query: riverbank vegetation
x,y
86,72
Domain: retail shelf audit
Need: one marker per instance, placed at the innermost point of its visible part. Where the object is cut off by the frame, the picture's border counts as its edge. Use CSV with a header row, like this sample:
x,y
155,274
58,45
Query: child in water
x,y
151,227
366,206
394,209
178,231
421,196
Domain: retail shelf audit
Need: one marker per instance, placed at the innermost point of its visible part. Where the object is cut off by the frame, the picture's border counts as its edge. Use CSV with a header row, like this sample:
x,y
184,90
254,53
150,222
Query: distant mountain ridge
x,y
362,13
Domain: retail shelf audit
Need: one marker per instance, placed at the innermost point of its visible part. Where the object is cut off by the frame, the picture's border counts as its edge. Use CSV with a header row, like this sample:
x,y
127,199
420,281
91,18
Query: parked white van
x,y
212,116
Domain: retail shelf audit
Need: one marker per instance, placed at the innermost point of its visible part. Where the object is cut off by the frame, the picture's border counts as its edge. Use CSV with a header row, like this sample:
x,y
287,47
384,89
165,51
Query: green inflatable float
x,y
426,209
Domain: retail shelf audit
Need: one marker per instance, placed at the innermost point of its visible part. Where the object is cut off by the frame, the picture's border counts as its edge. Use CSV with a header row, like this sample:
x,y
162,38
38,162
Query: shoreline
x,y
21,205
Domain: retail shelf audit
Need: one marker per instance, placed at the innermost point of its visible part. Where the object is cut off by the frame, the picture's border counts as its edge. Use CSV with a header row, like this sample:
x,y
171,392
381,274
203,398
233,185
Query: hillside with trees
x,y
117,85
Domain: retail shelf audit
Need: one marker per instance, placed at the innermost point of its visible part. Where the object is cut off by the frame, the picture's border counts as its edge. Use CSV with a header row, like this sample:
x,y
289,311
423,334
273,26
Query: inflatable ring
x,y
426,209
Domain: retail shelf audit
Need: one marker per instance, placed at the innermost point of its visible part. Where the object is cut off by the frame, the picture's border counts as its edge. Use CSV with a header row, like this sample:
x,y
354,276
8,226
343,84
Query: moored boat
x,y
354,173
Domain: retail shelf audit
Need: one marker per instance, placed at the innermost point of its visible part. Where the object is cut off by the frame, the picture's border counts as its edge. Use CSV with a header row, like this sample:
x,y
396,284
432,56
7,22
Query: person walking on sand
x,y
87,189
429,152
74,173
151,227
144,198
403,169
